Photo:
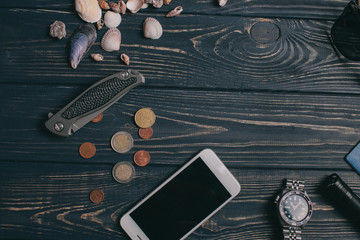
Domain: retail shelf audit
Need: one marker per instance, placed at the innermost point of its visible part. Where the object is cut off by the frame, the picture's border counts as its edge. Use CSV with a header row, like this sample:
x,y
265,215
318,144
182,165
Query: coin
x,y
87,150
145,133
145,118
96,196
98,118
141,158
123,172
122,142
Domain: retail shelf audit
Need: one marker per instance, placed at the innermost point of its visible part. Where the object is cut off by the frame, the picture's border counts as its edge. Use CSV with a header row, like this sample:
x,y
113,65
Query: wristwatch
x,y
294,209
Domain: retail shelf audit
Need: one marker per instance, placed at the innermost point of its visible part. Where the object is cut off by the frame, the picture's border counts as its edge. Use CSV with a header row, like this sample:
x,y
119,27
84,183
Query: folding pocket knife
x,y
93,101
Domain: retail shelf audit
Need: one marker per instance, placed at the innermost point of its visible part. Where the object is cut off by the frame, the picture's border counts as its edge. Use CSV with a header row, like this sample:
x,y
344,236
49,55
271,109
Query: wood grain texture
x,y
304,9
194,51
44,200
249,129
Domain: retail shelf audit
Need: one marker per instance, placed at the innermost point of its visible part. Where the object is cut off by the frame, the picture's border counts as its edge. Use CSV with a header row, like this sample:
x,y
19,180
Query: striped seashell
x,y
111,40
175,12
152,28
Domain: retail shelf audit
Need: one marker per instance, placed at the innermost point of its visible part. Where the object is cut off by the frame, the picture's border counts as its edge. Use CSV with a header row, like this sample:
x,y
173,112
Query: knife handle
x,y
92,102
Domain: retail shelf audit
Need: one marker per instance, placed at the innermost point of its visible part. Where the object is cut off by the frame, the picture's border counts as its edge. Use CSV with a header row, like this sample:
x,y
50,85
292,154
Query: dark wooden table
x,y
257,81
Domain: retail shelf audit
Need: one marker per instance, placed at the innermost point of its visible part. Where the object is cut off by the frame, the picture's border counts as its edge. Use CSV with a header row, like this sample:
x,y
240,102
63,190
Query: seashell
x,y
222,2
125,58
115,7
167,2
152,28
144,6
122,7
97,57
80,43
158,3
175,12
134,5
103,4
111,40
57,29
112,19
100,24
88,10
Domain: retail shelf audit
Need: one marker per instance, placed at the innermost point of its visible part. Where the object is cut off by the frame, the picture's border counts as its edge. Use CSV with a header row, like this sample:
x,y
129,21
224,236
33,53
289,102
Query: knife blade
x,y
93,101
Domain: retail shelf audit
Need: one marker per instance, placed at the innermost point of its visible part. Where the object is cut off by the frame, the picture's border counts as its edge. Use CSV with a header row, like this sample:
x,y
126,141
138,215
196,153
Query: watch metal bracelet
x,y
292,233
295,185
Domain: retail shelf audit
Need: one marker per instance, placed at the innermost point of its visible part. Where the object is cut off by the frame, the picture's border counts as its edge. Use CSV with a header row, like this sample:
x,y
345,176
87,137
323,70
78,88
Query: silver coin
x,y
123,172
122,142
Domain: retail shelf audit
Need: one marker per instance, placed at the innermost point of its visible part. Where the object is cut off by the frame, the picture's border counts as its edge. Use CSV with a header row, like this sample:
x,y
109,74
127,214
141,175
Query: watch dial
x,y
295,207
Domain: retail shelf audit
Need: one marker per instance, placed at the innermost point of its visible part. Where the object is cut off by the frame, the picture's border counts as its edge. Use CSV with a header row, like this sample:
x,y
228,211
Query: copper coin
x,y
96,196
87,150
98,118
145,118
145,133
141,158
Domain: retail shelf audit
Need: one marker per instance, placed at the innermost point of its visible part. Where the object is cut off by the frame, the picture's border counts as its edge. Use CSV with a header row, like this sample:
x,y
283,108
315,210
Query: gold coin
x,y
122,142
145,118
87,150
123,172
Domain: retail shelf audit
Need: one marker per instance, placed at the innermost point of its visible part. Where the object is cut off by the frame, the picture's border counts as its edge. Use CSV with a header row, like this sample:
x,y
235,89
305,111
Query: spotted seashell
x,y
134,5
222,2
152,28
88,10
175,12
104,4
111,40
112,19
115,6
100,24
167,2
122,7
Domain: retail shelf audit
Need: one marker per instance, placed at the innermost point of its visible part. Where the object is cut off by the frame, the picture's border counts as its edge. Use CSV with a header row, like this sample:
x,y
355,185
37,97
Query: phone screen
x,y
182,203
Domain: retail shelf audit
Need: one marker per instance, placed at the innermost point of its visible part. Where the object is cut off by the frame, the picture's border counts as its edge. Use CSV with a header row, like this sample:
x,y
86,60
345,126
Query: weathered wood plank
x,y
304,9
194,51
41,200
249,129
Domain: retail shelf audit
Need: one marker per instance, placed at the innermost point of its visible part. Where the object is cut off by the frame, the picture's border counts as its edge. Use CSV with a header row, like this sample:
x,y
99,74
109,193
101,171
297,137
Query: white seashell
x,y
134,5
144,6
88,10
125,58
112,19
222,2
152,28
111,40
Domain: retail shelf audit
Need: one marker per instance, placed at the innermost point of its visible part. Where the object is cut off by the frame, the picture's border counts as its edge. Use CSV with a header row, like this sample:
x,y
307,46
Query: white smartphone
x,y
184,201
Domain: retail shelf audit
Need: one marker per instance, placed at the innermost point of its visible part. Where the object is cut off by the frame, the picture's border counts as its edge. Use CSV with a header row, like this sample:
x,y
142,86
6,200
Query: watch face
x,y
295,208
